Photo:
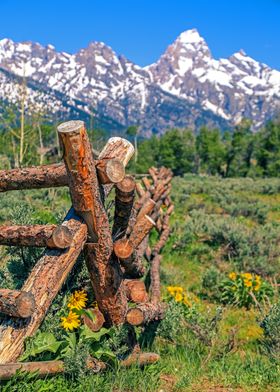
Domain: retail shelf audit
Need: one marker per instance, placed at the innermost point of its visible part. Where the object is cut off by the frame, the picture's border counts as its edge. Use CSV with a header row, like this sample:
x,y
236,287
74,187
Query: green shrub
x,y
271,328
245,290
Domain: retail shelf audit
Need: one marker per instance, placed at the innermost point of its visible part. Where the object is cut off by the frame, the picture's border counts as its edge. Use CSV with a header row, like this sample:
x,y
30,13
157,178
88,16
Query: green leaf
x,y
69,345
88,334
43,341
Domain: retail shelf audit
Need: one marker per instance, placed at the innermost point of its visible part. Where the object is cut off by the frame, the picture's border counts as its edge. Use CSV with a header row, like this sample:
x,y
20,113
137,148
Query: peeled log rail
x,y
146,209
145,313
140,359
51,236
44,282
49,368
142,227
136,291
155,279
55,175
105,273
16,303
123,205
33,177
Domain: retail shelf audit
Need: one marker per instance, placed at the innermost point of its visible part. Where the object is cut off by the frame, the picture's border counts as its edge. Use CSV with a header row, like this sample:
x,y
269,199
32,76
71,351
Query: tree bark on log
x,y
129,259
142,227
83,184
136,291
155,279
145,313
162,239
104,270
123,206
50,368
147,184
17,303
55,175
51,236
140,359
97,321
146,209
48,176
44,282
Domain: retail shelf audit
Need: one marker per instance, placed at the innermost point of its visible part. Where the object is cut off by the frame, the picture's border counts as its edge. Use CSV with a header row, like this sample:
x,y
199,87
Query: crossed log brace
x,y
114,256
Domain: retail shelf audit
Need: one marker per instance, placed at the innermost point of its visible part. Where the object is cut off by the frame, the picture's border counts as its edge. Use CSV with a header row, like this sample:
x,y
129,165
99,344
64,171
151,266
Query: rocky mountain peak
x,y
185,87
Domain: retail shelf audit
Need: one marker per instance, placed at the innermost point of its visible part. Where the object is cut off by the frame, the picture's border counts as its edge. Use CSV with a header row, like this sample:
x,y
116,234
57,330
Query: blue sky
x,y
141,30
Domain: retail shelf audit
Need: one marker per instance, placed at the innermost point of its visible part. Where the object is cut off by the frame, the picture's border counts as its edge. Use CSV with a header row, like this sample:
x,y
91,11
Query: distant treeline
x,y
240,153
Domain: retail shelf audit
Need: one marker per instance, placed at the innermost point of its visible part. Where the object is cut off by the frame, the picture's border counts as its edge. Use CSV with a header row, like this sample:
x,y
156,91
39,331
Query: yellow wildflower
x,y
248,283
232,275
187,301
171,290
178,297
247,276
257,282
70,322
78,300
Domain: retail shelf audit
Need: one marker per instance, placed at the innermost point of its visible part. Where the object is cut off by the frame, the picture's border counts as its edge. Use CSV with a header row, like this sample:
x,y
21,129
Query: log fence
x,y
118,256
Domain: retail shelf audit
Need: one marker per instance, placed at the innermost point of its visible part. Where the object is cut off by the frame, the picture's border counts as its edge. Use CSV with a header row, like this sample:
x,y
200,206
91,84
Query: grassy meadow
x,y
220,276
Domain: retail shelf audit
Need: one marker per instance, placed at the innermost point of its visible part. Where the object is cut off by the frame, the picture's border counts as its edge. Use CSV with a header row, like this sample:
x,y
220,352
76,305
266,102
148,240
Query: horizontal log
x,y
33,177
44,368
140,359
50,368
145,313
129,259
17,303
136,291
54,175
51,236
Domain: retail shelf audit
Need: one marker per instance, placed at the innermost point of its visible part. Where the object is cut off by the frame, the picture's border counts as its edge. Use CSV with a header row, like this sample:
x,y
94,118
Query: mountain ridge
x,y
186,87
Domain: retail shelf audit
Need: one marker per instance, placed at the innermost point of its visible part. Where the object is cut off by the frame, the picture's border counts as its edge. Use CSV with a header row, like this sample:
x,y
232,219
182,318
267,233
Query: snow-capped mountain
x,y
186,87
232,88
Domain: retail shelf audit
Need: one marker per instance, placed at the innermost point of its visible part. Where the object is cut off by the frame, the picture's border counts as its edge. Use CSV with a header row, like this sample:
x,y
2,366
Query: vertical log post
x,y
105,272
123,206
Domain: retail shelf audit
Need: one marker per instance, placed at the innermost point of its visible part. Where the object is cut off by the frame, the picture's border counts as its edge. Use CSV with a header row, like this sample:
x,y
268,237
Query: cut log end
x,y
71,126
123,249
25,303
126,186
61,238
97,321
110,171
115,170
135,317
136,291
17,303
